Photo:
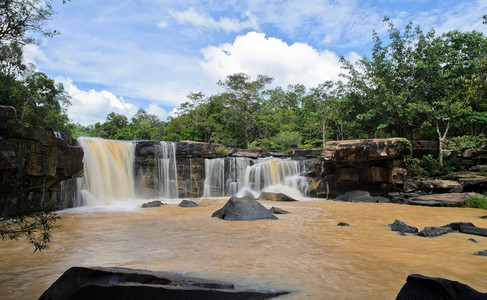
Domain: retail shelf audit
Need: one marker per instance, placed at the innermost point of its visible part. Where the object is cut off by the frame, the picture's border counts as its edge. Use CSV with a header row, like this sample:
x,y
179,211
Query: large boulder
x,y
188,203
243,209
441,186
122,283
421,287
364,150
441,199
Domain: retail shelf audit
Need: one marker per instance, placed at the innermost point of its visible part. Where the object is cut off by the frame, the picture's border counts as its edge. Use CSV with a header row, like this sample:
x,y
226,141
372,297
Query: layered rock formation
x,y
373,165
37,165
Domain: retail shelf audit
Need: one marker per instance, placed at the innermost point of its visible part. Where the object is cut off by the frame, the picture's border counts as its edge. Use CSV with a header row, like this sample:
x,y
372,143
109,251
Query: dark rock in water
x,y
155,203
361,196
278,211
481,253
420,287
468,228
402,233
435,231
275,197
473,240
484,217
400,226
243,209
122,283
188,203
343,224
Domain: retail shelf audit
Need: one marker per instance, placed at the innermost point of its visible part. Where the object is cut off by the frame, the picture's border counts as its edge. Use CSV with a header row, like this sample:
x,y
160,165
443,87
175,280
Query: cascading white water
x,y
108,168
231,176
167,170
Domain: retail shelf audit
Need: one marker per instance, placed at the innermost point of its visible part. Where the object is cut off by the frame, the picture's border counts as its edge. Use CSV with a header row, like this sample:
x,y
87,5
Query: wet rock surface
x,y
155,203
400,226
422,287
122,283
361,196
275,197
278,211
243,209
188,203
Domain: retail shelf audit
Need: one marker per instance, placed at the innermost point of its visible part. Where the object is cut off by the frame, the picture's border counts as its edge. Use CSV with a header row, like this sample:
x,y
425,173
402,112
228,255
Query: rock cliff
x,y
37,165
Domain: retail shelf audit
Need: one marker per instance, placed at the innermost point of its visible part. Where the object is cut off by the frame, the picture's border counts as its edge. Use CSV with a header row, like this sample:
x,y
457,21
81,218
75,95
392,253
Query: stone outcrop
x,y
422,287
243,209
122,283
188,203
155,203
373,164
361,196
275,197
36,165
400,226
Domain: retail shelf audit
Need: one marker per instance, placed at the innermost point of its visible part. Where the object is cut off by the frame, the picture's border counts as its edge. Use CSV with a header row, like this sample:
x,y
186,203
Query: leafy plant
x,y
476,201
468,142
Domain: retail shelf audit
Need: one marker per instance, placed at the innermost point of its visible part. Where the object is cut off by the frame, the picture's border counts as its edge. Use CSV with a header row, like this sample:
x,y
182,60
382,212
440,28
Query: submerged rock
x,y
422,287
400,226
481,253
275,197
122,283
361,196
243,209
278,211
435,231
155,203
188,203
343,224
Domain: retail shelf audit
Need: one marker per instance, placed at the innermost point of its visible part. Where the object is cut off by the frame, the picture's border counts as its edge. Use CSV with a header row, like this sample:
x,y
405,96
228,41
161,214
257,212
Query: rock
x,y
343,224
441,186
188,203
275,197
361,196
278,211
400,226
444,199
32,161
363,150
435,231
155,203
422,287
122,283
243,209
473,240
479,168
481,253
473,230
484,217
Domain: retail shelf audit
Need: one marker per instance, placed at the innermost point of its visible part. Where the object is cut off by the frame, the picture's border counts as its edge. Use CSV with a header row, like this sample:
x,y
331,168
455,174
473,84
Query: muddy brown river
x,y
304,252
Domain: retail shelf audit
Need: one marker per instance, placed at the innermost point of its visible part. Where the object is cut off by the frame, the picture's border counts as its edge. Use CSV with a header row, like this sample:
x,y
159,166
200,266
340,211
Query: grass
x,y
476,201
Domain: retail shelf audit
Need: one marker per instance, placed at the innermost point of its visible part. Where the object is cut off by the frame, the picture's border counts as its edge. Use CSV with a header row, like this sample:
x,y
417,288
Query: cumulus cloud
x,y
89,107
155,109
254,54
192,17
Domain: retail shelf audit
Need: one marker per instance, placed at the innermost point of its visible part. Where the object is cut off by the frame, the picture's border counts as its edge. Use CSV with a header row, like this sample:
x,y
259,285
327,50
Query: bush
x,y
476,201
460,143
287,139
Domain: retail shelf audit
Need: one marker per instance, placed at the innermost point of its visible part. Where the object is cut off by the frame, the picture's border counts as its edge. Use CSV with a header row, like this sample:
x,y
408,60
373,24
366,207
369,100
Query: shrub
x,y
476,201
287,139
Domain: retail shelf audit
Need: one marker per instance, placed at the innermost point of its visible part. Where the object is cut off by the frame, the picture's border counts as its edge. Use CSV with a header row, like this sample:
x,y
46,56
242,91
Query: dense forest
x,y
415,84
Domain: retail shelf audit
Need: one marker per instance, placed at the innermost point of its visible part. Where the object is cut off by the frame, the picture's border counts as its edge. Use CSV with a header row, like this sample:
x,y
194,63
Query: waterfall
x,y
108,171
230,176
167,170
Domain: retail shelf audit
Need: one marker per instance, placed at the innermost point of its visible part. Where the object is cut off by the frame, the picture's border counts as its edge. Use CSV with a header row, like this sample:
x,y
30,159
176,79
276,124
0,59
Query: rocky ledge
x,y
122,283
36,164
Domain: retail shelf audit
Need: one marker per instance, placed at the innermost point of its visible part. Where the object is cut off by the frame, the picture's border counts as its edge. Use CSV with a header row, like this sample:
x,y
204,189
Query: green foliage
x,y
468,142
285,140
431,167
476,201
35,225
413,166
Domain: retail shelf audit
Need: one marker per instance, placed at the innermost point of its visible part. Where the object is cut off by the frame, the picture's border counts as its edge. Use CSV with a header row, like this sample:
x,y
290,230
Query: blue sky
x,y
121,55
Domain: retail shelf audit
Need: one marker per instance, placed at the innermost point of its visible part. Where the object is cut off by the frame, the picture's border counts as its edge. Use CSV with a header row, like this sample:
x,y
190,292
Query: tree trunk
x,y
441,141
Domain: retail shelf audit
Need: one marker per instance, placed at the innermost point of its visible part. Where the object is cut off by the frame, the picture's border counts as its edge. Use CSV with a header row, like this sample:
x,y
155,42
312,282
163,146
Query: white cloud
x,y
154,109
192,17
89,107
255,54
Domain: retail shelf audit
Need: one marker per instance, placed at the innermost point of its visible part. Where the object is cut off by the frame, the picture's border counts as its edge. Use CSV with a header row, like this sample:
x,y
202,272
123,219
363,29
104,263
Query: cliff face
x,y
373,164
36,165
